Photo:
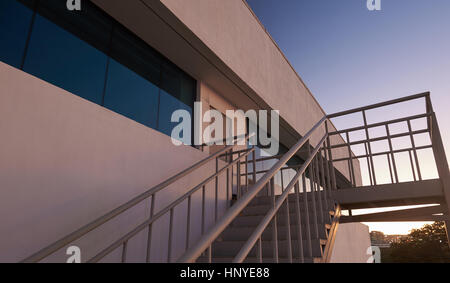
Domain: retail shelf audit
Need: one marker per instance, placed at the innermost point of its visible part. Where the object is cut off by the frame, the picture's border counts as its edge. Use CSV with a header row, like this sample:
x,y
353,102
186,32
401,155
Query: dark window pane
x,y
169,104
90,24
176,83
171,80
131,95
188,90
57,56
135,54
15,21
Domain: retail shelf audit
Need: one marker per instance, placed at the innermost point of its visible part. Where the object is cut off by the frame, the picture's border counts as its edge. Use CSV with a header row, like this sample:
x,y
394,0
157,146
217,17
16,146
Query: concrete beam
x,y
415,214
411,193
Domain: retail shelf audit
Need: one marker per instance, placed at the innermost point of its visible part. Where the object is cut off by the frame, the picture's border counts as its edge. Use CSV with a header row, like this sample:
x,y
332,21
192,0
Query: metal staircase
x,y
297,219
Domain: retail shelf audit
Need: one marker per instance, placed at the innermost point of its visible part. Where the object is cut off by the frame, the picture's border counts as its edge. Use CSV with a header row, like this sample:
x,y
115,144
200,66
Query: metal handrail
x,y
168,208
43,253
328,251
378,105
274,210
206,240
369,154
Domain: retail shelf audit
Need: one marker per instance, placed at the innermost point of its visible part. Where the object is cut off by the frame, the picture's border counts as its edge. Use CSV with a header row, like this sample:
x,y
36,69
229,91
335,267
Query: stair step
x,y
263,209
243,233
232,248
265,200
255,260
254,220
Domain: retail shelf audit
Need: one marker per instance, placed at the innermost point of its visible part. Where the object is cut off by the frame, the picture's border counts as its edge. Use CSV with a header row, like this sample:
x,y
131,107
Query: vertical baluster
x,y
391,149
369,147
203,209
350,156
317,185
124,251
228,183
308,226
327,172
299,222
274,223
288,228
169,249
254,165
322,174
330,155
246,173
313,194
149,236
216,196
390,168
413,144
412,165
239,176
188,223
259,255
288,222
232,176
368,164
210,254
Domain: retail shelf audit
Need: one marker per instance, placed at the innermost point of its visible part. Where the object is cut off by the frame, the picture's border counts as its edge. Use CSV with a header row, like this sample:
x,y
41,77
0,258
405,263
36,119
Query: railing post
x,y
203,208
228,183
149,237
324,186
330,155
254,165
239,192
412,166
413,144
317,181
307,220
299,222
188,225
391,148
350,156
216,196
274,224
313,194
368,163
288,221
441,164
369,147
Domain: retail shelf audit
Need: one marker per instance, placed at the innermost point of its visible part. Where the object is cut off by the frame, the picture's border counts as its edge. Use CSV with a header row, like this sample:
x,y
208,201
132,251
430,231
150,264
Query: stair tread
x,y
242,233
254,220
255,260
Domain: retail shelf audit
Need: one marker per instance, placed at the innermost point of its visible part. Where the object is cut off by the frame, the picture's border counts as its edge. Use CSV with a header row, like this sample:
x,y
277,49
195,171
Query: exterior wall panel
x,y
66,161
351,244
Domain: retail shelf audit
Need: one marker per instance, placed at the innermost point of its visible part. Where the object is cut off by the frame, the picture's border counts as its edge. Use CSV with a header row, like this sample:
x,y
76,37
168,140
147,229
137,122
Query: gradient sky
x,y
349,56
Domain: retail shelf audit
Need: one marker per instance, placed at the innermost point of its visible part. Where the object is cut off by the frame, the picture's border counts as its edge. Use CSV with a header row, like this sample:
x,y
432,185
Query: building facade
x,y
86,101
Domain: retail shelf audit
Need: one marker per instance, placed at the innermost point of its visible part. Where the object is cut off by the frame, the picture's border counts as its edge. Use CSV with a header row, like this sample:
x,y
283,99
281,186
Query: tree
x,y
427,244
377,237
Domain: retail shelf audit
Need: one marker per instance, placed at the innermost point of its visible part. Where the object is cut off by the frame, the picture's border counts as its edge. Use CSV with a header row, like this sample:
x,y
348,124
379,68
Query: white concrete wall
x,y
234,34
65,161
351,244
222,44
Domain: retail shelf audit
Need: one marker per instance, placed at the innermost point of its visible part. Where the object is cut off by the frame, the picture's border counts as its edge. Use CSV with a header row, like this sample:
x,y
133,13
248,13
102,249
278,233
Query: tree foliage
x,y
427,244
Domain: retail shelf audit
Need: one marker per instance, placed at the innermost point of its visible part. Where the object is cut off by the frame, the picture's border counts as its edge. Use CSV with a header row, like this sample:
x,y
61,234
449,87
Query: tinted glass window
x,y
131,95
91,55
167,105
15,22
63,59
130,51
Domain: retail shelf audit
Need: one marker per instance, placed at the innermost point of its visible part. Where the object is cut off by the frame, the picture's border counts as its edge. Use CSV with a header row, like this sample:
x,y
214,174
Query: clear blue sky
x,y
349,56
